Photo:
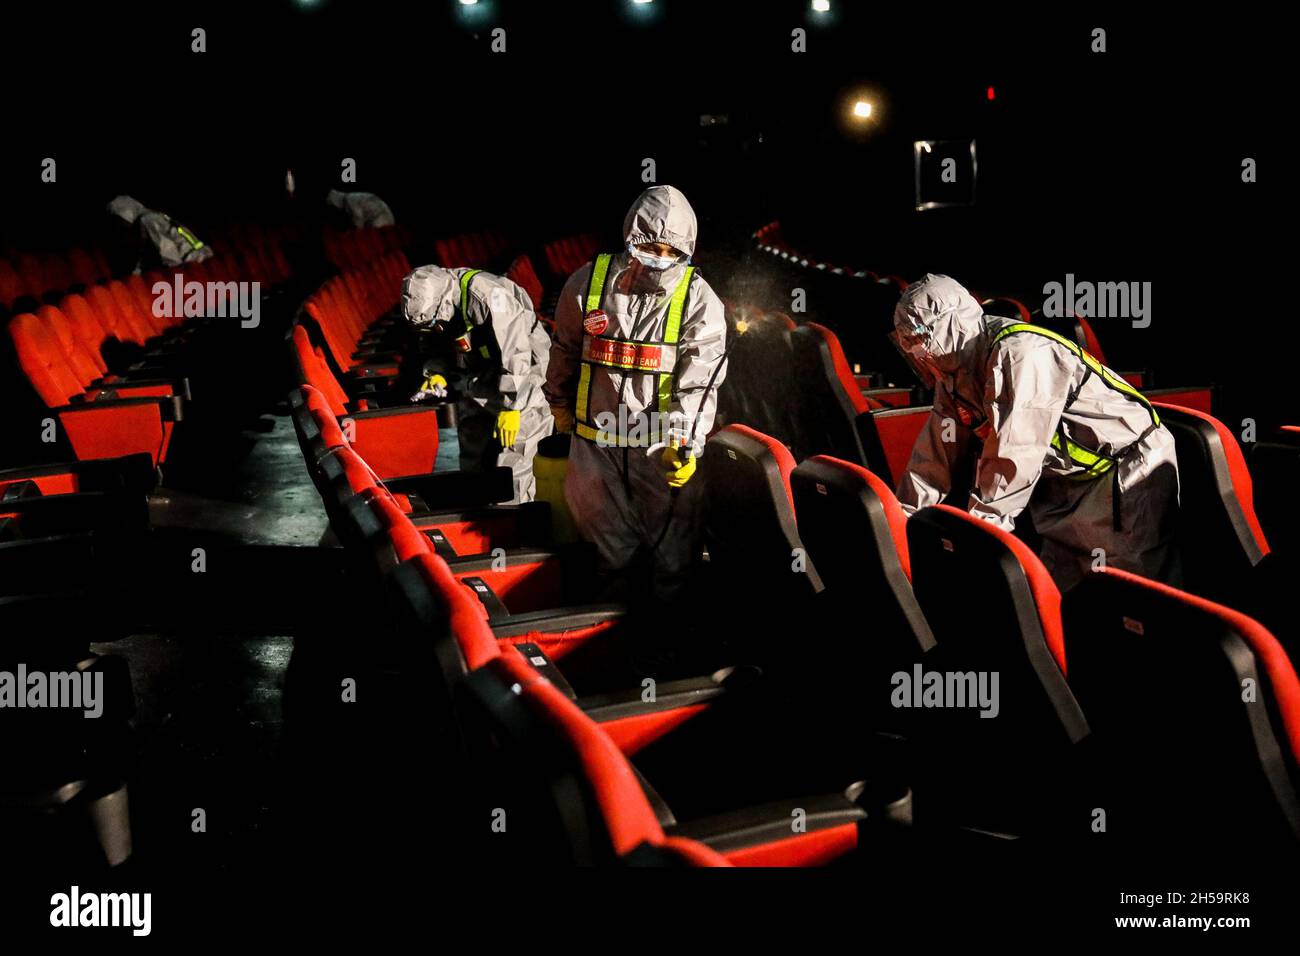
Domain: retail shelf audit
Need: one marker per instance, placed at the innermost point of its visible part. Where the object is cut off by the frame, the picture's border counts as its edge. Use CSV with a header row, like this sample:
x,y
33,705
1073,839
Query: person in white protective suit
x,y
639,336
160,240
1049,427
495,352
363,210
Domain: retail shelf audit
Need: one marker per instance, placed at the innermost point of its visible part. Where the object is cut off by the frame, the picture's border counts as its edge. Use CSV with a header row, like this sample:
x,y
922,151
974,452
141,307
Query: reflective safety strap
x,y
188,236
1094,465
672,331
595,293
464,297
596,284
464,307
1114,381
592,433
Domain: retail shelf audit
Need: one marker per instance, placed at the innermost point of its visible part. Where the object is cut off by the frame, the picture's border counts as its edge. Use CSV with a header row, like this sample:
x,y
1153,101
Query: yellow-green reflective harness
x,y
626,355
465,278
1094,464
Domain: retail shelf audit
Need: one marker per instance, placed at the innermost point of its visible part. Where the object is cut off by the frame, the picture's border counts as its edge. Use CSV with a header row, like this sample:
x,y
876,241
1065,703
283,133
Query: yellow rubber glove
x,y
563,416
507,429
435,384
678,472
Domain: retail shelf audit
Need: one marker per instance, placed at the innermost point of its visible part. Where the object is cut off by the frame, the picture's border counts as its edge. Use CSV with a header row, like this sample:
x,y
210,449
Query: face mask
x,y
657,263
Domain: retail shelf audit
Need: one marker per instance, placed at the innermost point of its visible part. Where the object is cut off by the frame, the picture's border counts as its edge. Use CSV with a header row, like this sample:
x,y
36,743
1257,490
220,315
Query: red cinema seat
x,y
888,437
1275,469
99,422
750,527
831,400
1195,715
995,614
1219,538
584,804
856,533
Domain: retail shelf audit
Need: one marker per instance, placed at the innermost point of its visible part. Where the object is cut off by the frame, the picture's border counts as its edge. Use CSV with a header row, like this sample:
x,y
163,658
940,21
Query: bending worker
x,y
487,341
1046,426
638,336
360,210
154,238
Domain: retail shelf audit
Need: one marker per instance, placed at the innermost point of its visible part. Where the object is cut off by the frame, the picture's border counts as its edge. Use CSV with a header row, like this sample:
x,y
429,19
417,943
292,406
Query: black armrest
x,y
532,519
46,515
539,662
128,473
558,619
771,822
669,695
169,406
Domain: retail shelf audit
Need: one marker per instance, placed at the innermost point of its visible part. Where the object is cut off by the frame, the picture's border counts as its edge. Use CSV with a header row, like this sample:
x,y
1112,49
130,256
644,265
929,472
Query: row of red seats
x,y
352,310
796,384
479,250
34,276
479,588
106,413
1148,721
356,248
566,256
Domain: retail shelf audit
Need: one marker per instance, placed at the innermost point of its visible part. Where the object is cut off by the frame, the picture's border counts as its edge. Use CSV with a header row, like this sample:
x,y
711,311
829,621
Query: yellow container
x,y
550,465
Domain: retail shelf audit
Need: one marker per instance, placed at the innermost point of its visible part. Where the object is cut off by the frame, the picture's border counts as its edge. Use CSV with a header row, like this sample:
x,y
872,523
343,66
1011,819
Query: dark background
x,y
1122,166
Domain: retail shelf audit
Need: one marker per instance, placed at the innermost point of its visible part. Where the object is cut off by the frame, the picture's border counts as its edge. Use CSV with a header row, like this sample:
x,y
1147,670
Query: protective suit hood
x,y
662,214
430,294
954,319
126,208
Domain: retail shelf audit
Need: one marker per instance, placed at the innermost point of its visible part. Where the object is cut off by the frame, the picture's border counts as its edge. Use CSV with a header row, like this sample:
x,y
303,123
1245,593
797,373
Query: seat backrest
x,y
1199,398
1219,535
87,327
42,360
313,370
1181,746
573,797
1275,471
888,436
749,515
522,274
856,534
1006,307
79,360
995,610
830,400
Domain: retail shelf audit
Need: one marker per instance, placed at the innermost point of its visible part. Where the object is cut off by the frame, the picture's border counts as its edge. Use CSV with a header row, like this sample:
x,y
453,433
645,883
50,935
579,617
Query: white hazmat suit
x,y
1061,434
502,365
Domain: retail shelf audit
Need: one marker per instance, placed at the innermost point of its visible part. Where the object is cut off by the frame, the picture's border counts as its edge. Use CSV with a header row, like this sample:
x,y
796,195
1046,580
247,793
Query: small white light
x,y
468,3
926,146
642,1
821,6
862,108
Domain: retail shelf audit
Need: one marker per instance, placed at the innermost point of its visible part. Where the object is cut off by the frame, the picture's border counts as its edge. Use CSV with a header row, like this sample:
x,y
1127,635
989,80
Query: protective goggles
x,y
652,261
914,345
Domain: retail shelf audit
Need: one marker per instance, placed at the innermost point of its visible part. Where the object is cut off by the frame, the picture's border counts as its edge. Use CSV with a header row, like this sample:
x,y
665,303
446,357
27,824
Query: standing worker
x,y
1061,434
490,345
639,335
